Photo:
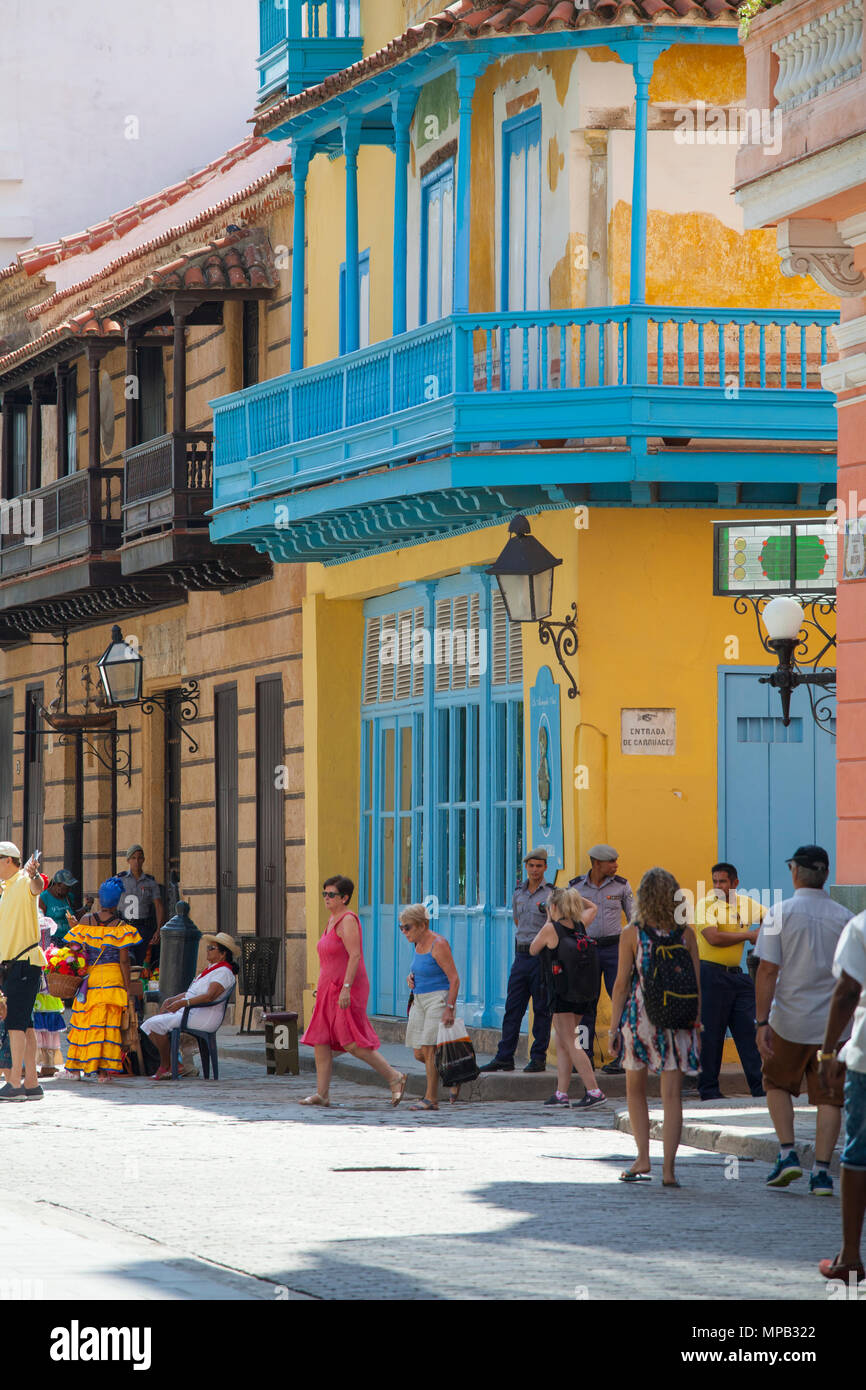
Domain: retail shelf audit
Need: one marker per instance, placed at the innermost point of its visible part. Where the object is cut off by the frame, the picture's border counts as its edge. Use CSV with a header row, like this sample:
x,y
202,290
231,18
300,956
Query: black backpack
x,y
575,969
670,985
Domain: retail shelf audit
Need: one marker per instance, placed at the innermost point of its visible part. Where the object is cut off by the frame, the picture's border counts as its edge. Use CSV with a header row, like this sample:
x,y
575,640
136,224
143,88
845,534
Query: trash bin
x,y
180,939
281,1044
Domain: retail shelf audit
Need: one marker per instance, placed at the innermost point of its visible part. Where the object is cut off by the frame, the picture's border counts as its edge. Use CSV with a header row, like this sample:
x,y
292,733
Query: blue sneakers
x,y
785,1171
820,1183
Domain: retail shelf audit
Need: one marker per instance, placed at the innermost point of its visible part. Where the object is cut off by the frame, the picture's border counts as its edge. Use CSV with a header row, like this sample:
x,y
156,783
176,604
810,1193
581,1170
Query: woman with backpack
x,y
571,971
655,1016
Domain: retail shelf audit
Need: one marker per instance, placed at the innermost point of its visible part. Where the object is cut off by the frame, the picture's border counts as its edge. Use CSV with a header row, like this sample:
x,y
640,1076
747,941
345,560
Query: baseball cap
x,y
810,857
9,850
65,877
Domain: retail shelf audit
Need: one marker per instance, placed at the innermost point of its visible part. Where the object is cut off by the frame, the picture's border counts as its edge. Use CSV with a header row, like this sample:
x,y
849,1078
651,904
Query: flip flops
x,y
424,1104
635,1177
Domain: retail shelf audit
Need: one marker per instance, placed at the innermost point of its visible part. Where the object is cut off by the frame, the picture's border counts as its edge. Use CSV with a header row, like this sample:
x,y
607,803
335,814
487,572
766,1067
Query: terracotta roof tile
x,y
242,259
491,18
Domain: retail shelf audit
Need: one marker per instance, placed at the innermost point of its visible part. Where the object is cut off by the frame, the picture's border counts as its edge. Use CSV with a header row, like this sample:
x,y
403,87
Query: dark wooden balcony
x,y
62,537
168,492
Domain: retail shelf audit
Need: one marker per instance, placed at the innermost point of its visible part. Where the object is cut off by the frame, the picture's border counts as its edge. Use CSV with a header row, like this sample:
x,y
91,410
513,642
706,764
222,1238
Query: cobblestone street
x,y
490,1201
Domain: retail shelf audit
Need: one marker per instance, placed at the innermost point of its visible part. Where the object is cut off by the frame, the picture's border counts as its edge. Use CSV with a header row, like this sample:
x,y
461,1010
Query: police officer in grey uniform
x,y
141,905
613,896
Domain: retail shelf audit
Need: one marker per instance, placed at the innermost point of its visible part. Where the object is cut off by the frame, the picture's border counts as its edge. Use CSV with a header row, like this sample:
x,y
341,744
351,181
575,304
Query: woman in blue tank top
x,y
435,983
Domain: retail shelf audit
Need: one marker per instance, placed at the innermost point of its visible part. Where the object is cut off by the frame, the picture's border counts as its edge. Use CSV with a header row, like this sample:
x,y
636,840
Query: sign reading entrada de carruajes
x,y
652,731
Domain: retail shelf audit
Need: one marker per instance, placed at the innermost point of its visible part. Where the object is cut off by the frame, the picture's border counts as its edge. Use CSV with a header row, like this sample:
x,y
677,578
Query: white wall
x,y
73,72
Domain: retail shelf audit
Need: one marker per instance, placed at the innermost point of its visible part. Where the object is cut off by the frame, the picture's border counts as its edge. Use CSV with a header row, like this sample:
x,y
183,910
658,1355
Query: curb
x,y
717,1139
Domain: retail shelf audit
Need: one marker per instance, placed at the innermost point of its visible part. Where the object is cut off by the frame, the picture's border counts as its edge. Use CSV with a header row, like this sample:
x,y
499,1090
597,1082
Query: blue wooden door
x,y
521,244
437,244
777,785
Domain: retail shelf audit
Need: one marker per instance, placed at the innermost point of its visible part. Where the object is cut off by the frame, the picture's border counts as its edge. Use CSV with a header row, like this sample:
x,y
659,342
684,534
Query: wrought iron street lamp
x,y
785,622
121,669
524,573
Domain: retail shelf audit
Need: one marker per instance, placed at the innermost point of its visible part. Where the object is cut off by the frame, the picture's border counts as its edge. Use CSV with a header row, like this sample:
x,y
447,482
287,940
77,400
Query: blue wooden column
x,y
351,126
643,71
301,156
468,70
402,107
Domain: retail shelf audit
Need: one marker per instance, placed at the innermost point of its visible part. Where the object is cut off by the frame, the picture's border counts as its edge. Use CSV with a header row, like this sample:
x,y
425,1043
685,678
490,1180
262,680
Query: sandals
x,y
162,1074
398,1088
671,1184
831,1269
314,1100
424,1104
635,1177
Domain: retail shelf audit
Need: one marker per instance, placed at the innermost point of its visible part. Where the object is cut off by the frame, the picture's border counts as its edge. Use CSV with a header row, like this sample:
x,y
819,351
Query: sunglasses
x,y
327,894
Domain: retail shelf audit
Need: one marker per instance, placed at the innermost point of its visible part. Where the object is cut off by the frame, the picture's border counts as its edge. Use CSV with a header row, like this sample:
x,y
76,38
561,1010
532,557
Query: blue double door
x,y
777,785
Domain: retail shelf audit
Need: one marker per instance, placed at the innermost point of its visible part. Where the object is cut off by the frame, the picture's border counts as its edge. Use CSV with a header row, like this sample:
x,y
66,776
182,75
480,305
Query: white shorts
x,y
422,1028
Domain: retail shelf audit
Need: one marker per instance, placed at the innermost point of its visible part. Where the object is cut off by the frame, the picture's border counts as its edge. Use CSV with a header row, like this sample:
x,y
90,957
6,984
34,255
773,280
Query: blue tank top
x,y
428,975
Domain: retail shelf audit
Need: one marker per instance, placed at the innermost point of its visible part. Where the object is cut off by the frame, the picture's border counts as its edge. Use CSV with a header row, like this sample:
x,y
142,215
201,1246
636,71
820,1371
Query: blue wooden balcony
x,y
456,424
301,42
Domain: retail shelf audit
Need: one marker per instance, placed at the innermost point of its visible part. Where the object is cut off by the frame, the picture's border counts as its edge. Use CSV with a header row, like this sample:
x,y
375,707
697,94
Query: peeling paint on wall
x,y
568,280
693,258
555,163
686,73
437,108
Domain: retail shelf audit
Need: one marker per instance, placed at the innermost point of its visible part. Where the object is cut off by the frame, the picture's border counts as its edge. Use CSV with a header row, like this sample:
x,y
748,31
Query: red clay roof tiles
x,y
491,18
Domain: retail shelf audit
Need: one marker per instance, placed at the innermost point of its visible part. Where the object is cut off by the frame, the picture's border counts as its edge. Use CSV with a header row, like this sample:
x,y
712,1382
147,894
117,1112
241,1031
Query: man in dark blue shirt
x,y
529,907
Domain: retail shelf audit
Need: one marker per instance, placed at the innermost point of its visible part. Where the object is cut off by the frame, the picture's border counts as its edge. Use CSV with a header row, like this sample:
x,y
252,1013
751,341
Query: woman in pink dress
x,y
339,1022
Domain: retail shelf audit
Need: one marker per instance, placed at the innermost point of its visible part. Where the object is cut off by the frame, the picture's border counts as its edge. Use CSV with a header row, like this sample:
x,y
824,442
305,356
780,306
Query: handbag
x,y
3,964
129,1035
455,1055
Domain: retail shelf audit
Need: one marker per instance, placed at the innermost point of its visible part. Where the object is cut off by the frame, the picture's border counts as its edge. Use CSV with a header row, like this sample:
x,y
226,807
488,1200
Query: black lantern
x,y
786,623
524,573
120,671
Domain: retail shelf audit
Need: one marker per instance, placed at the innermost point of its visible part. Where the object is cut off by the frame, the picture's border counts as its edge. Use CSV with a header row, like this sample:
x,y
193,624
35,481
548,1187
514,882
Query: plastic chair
x,y
260,959
206,1041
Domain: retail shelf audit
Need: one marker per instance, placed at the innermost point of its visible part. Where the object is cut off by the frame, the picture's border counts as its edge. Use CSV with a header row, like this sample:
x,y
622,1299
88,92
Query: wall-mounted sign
x,y
649,731
546,770
854,566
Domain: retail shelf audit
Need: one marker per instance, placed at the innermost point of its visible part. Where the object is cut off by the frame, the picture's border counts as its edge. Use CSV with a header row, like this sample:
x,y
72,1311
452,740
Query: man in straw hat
x,y
529,907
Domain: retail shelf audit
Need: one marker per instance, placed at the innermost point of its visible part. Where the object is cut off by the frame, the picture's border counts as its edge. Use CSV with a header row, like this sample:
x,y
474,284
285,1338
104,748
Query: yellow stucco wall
x,y
651,636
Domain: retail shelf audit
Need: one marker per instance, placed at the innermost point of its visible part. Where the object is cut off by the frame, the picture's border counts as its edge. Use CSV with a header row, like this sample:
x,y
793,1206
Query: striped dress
x,y
94,1031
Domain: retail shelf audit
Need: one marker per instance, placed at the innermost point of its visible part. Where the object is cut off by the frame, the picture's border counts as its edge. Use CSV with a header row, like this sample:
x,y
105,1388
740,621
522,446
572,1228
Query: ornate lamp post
x,y
524,573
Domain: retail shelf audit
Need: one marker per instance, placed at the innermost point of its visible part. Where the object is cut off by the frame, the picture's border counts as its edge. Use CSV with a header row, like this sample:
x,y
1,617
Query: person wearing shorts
x,y
849,1002
435,984
794,987
22,960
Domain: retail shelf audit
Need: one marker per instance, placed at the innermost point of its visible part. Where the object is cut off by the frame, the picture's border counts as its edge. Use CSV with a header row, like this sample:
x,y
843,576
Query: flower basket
x,y
62,986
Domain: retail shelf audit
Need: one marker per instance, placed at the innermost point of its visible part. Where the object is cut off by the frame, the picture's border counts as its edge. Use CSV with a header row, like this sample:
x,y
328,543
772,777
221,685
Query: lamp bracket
x,y
563,636
187,710
798,652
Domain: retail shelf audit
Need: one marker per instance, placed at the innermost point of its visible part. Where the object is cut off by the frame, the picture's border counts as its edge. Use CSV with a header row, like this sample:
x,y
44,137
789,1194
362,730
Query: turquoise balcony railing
x,y
630,371
301,42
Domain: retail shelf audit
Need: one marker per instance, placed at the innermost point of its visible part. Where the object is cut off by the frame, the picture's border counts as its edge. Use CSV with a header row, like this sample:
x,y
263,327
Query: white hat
x,y
9,850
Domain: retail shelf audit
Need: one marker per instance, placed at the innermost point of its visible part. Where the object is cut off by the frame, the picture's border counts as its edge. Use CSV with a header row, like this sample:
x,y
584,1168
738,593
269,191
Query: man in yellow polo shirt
x,y
23,959
724,921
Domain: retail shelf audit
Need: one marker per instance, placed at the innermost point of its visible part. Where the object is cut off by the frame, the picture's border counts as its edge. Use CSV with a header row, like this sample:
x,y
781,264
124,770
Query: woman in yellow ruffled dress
x,y
94,1032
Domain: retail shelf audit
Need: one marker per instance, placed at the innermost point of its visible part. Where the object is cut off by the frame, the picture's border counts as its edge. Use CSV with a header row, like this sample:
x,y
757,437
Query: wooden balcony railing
x,y
76,516
168,484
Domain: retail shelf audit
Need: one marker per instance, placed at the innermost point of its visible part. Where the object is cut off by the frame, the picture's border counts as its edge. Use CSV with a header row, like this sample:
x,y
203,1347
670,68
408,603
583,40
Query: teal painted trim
x,y
469,68
351,143
402,109
419,68
301,156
